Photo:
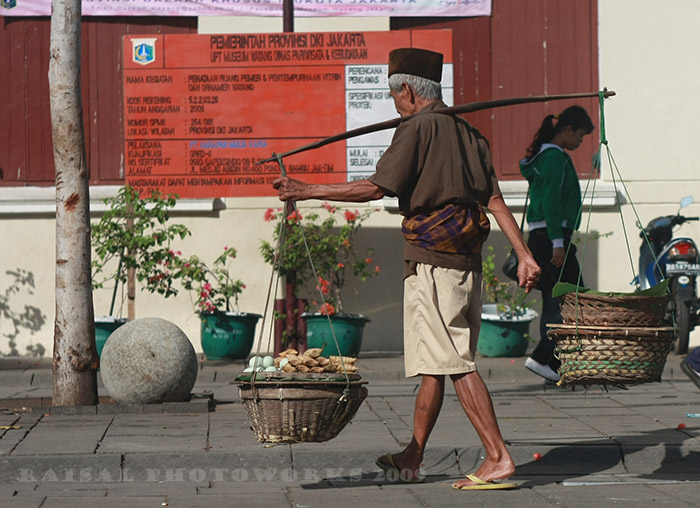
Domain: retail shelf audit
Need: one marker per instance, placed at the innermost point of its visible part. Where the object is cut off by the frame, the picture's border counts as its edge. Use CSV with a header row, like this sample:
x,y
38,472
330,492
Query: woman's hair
x,y
575,116
423,87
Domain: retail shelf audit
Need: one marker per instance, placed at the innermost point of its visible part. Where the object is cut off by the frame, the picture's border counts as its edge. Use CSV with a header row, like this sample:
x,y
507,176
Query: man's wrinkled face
x,y
402,100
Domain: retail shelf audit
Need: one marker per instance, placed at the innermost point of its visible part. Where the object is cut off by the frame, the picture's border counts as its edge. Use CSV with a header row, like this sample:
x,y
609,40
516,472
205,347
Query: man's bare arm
x,y
528,269
357,192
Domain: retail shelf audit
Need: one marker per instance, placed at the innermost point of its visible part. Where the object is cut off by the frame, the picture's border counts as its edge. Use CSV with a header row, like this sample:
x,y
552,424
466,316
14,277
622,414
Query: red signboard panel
x,y
200,110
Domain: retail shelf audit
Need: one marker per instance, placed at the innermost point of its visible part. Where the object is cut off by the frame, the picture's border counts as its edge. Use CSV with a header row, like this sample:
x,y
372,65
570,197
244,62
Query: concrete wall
x,y
647,55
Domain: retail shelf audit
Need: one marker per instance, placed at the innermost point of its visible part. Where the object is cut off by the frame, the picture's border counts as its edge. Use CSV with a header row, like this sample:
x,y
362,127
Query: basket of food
x,y
586,307
293,402
611,355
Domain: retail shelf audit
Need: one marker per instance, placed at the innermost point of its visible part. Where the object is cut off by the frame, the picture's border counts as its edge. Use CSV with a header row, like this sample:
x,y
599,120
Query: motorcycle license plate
x,y
687,268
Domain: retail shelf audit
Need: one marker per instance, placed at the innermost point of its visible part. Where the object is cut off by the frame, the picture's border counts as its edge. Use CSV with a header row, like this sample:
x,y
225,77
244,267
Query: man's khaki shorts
x,y
442,318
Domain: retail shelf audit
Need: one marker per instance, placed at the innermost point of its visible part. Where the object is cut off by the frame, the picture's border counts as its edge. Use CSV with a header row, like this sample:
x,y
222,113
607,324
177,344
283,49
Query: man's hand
x,y
290,189
528,273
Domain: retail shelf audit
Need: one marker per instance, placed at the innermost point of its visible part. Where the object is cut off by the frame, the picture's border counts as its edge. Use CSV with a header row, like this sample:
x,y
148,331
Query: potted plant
x,y
319,248
226,333
132,242
505,320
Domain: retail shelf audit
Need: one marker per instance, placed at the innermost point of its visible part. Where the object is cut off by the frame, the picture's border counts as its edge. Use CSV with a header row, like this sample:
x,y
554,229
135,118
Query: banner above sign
x,y
302,8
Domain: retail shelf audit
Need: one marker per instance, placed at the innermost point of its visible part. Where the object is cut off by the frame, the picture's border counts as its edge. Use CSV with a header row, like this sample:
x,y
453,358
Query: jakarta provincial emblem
x,y
8,4
144,51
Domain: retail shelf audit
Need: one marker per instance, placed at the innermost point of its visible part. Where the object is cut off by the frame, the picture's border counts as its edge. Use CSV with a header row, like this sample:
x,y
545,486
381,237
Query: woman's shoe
x,y
542,370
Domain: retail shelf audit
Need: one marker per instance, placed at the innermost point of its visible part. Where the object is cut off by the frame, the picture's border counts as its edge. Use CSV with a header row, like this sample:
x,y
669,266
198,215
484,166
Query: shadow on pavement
x,y
626,456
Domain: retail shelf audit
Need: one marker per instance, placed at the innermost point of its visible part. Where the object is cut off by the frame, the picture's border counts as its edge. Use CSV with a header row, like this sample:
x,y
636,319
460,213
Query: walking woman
x,y
553,216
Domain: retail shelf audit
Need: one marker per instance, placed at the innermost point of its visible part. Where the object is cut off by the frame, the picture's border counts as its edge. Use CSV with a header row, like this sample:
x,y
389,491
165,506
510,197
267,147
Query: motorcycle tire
x,y
682,323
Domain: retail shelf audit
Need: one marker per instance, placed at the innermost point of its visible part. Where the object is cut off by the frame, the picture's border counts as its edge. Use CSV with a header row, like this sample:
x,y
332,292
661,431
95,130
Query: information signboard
x,y
201,110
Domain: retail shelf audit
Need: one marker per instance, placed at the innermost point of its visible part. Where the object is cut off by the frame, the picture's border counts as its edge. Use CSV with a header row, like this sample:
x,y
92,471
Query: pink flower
x,y
328,207
269,215
294,216
207,286
376,269
368,261
327,309
350,216
341,265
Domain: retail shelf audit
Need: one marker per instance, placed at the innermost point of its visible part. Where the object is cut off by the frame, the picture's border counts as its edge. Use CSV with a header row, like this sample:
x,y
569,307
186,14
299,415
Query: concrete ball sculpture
x,y
148,361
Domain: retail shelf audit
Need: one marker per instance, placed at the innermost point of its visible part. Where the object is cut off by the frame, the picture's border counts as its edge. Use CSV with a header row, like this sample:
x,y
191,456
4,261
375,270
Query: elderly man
x,y
440,168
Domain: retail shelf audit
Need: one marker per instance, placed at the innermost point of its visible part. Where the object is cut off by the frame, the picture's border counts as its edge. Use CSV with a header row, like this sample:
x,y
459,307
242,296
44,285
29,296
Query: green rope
x,y
592,177
601,99
280,245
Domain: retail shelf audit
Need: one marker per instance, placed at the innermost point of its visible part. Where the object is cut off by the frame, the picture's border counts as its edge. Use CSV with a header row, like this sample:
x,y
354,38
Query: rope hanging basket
x,y
611,355
594,310
302,408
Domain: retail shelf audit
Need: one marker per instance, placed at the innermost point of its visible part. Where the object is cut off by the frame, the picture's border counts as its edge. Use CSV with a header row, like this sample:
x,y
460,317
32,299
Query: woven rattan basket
x,y
592,310
611,355
300,411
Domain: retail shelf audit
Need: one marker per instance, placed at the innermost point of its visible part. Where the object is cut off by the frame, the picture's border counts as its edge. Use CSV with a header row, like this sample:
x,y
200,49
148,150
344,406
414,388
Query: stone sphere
x,y
148,361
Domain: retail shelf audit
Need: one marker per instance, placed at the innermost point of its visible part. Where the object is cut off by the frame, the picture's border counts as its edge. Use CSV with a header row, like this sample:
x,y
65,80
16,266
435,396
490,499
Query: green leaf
x,y
562,288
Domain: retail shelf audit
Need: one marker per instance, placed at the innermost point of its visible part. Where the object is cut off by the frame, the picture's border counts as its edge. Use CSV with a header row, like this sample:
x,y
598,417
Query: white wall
x,y
648,55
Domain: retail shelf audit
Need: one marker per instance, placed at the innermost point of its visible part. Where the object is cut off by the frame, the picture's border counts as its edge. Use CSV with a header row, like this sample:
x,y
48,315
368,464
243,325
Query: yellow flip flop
x,y
480,484
390,466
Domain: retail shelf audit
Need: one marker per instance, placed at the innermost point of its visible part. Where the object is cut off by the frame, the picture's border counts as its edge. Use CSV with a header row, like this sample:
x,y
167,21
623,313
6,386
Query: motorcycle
x,y
676,258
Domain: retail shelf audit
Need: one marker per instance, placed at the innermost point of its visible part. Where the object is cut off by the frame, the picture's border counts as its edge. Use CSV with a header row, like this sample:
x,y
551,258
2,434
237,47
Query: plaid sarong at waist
x,y
454,229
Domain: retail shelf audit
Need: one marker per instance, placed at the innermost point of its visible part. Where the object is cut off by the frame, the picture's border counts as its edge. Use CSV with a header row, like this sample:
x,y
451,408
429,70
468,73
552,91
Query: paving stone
x,y
664,458
620,440
269,462
73,410
351,497
686,492
264,499
51,437
195,406
442,494
23,502
546,429
114,409
105,502
152,443
568,460
72,489
181,424
607,495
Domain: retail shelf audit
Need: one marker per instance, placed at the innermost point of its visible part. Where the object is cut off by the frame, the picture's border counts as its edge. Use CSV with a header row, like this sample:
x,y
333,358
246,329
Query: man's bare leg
x,y
476,401
428,405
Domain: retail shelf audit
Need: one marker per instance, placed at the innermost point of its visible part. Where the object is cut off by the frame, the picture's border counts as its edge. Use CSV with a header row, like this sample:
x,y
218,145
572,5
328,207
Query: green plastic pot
x,y
228,335
504,337
348,330
104,326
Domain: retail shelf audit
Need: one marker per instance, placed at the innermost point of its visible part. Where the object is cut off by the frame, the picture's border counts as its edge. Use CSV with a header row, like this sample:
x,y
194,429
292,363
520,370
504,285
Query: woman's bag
x,y
510,267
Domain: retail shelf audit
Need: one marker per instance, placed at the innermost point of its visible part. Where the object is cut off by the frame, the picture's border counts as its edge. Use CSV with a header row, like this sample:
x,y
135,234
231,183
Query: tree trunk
x,y
75,358
131,272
